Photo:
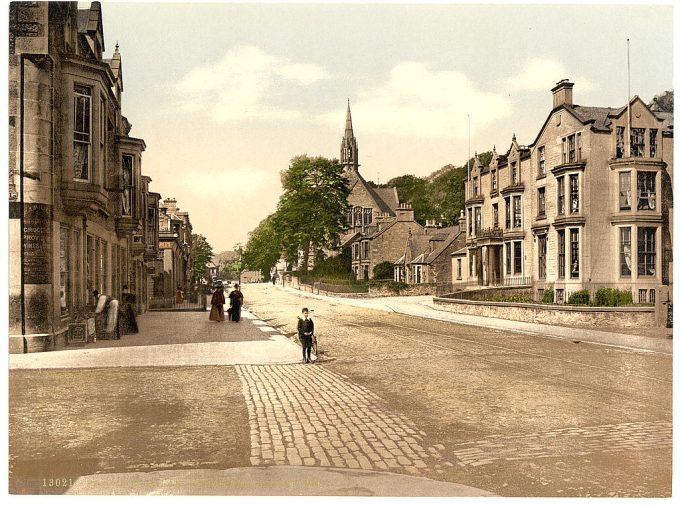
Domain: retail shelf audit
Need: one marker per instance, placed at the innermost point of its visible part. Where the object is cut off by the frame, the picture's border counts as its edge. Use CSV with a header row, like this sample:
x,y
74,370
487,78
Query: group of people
x,y
218,301
113,319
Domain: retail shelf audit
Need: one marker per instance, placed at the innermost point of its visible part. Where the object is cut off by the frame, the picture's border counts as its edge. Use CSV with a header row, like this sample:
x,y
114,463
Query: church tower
x,y
349,152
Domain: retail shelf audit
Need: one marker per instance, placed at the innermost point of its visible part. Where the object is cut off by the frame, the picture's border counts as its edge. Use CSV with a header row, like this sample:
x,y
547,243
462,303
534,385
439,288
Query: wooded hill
x,y
439,196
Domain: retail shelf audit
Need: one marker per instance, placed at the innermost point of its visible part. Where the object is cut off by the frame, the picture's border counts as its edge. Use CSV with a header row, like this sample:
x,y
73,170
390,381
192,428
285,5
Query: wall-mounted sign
x,y
166,244
37,242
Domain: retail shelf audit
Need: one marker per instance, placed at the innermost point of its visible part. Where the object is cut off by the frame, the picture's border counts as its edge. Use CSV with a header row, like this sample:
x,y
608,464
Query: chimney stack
x,y
562,93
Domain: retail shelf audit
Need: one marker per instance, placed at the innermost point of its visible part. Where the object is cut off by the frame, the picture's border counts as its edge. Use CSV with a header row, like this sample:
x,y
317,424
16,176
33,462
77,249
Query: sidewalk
x,y
168,339
423,307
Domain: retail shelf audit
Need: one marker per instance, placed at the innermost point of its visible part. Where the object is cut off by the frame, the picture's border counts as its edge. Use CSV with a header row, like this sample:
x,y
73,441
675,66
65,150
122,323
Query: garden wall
x,y
572,316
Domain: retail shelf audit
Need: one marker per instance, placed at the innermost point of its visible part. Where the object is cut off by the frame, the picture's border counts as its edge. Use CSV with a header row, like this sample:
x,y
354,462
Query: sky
x,y
224,95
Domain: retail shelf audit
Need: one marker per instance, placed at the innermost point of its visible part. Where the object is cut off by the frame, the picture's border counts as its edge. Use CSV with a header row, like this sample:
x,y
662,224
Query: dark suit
x,y
306,333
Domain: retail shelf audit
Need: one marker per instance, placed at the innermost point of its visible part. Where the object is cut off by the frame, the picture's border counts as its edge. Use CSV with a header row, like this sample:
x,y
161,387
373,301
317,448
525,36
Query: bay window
x,y
82,132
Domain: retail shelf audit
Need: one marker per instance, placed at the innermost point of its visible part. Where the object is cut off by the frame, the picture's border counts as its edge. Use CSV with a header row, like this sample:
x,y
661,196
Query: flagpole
x,y
468,160
630,132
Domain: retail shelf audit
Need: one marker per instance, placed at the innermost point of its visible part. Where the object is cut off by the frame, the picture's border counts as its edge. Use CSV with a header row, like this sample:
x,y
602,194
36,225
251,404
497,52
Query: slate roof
x,y
598,117
452,237
389,196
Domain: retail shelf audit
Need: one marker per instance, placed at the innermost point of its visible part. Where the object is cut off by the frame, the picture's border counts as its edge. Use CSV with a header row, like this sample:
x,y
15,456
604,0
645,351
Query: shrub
x,y
520,297
548,296
384,270
396,286
611,297
339,266
582,297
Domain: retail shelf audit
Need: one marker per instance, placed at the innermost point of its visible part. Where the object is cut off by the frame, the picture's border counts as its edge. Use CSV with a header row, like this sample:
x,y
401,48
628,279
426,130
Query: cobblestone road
x,y
307,415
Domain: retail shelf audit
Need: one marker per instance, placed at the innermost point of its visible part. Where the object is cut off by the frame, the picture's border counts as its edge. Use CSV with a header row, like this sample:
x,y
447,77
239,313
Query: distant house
x,y
213,269
251,277
427,257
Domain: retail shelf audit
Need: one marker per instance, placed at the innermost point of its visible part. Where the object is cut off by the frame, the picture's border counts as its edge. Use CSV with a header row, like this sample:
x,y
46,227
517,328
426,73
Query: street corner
x,y
271,481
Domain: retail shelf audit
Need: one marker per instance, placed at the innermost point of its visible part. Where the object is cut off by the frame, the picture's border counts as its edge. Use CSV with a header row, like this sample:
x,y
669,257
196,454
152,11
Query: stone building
x,y
79,205
587,205
368,205
427,256
174,244
377,223
383,241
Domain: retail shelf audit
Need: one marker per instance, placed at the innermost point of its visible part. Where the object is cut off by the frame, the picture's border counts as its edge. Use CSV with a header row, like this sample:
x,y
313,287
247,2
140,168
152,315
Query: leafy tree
x,y
662,101
263,248
203,253
415,191
311,211
447,192
384,270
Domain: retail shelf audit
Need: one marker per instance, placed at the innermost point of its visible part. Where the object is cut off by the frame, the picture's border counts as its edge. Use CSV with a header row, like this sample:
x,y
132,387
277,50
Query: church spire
x,y
349,151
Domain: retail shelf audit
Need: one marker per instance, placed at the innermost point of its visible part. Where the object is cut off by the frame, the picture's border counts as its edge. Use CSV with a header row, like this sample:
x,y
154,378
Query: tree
x,y
662,102
416,191
384,270
311,211
263,248
203,253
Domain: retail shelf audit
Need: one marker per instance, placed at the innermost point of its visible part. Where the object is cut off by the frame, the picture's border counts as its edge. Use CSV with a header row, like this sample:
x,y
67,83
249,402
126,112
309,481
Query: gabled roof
x,y
357,179
455,238
349,239
419,247
90,25
600,118
389,196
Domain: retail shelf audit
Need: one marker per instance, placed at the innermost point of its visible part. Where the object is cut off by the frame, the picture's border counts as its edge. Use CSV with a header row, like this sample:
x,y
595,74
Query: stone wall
x,y
572,316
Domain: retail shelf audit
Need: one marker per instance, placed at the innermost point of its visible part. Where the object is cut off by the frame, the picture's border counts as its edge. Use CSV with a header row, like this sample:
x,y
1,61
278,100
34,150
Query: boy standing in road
x,y
306,334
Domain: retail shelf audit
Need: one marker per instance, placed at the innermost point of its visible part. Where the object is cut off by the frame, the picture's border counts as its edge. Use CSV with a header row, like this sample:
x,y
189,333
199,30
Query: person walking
x,y
236,301
306,335
217,305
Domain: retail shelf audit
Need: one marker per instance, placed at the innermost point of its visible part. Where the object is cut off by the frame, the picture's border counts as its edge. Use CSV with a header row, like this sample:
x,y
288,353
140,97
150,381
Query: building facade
x,y
367,205
175,252
77,196
587,205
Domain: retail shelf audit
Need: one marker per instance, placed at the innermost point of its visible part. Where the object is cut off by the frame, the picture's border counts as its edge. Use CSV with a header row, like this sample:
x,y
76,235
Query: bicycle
x,y
315,346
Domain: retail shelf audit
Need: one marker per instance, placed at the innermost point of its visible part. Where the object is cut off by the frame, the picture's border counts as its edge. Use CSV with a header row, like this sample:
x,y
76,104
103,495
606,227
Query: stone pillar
x,y
31,229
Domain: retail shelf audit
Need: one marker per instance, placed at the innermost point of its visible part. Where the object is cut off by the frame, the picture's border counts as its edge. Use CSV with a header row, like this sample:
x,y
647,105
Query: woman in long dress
x,y
217,305
236,298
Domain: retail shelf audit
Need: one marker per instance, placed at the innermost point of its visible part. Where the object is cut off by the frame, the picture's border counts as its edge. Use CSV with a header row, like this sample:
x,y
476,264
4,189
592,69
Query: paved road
x,y
474,409
513,413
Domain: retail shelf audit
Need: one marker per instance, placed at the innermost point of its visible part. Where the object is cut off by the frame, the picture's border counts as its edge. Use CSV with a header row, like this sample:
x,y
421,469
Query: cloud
x,y
415,100
239,86
541,74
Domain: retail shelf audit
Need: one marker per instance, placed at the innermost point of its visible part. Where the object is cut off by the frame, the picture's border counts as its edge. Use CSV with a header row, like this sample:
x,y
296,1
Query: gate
x,y
194,300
